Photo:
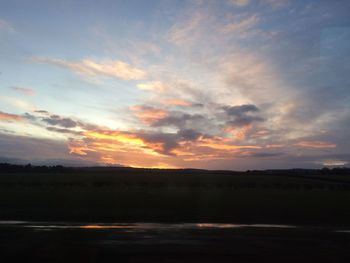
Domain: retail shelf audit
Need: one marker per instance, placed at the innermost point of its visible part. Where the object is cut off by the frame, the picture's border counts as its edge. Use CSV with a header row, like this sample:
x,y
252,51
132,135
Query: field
x,y
297,197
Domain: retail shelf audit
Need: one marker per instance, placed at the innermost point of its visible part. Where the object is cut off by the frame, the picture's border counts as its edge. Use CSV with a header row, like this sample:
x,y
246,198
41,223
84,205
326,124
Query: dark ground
x,y
317,200
19,244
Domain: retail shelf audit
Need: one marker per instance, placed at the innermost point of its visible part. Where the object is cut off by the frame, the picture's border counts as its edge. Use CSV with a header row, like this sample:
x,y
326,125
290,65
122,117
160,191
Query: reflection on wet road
x,y
161,242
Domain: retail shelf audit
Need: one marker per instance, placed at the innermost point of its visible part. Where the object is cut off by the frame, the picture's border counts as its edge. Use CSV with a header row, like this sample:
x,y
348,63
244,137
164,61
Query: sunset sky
x,y
235,84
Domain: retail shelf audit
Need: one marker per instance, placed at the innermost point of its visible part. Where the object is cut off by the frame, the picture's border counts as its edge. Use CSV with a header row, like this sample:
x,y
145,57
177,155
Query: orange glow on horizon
x,y
116,136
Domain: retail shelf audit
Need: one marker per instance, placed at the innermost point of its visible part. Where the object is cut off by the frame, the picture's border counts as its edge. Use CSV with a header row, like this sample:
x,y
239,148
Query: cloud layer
x,y
114,69
235,84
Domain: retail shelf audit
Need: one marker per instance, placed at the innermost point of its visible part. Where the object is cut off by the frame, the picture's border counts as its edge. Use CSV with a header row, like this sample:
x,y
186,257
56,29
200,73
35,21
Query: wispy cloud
x,y
276,3
186,32
239,3
24,90
315,144
241,25
178,102
107,68
155,86
18,103
10,117
6,26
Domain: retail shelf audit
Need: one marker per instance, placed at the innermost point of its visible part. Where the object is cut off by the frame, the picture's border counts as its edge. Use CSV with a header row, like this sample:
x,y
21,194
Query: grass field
x,y
175,196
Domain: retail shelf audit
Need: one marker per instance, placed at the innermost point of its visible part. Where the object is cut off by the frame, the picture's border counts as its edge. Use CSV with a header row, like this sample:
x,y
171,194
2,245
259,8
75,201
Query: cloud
x,y
69,125
148,114
180,103
155,86
65,131
42,112
59,121
18,103
10,117
179,120
315,144
14,146
162,143
244,120
240,110
333,163
239,3
188,30
189,134
242,115
29,117
108,68
276,4
23,90
23,150
6,26
241,25
266,154
188,146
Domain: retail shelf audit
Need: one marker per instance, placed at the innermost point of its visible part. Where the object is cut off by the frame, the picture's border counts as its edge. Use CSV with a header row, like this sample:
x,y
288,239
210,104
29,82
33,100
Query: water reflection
x,y
343,231
107,227
136,226
211,225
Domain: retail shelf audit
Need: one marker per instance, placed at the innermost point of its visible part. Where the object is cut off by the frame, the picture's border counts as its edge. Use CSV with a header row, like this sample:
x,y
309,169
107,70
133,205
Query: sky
x,y
230,84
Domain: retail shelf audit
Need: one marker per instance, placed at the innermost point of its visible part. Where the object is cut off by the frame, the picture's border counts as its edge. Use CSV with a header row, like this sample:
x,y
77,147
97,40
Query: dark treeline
x,y
6,167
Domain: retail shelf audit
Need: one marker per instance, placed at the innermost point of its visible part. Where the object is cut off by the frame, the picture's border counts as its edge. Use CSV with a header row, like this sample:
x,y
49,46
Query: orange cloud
x,y
148,115
238,133
177,102
275,146
9,117
315,144
106,141
223,144
145,149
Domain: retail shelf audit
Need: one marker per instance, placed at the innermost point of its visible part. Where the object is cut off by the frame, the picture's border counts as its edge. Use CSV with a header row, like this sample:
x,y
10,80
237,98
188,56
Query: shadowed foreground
x,y
297,197
47,242
316,201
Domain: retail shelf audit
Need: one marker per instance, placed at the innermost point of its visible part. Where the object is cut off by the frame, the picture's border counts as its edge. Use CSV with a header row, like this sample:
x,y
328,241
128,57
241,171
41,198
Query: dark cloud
x,y
29,116
242,115
65,122
42,111
59,121
66,131
189,134
199,105
240,110
14,146
169,141
244,120
179,120
266,154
